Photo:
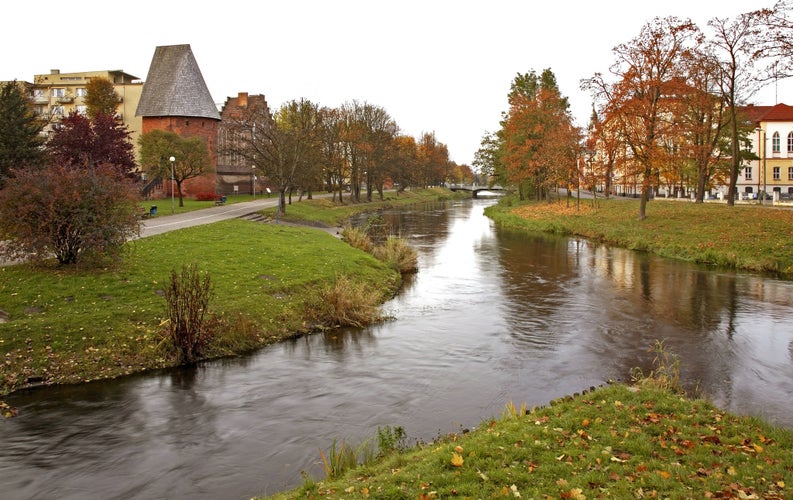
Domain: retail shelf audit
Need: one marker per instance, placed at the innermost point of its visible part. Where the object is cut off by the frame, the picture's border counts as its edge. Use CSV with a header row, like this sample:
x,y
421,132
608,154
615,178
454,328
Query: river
x,y
491,317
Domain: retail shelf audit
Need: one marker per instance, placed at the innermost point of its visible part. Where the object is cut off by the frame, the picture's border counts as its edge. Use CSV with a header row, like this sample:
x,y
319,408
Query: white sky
x,y
433,65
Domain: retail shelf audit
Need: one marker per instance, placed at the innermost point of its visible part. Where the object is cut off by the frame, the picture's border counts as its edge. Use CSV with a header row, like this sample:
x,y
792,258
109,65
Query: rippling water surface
x,y
491,317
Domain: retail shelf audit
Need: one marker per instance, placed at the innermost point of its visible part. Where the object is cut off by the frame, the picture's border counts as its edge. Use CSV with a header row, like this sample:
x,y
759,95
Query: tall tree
x,y
487,159
80,142
702,114
404,163
540,141
20,131
101,98
736,44
191,157
648,70
335,171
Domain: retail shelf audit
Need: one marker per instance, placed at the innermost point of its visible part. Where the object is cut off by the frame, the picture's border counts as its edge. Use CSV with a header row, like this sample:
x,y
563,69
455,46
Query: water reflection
x,y
492,316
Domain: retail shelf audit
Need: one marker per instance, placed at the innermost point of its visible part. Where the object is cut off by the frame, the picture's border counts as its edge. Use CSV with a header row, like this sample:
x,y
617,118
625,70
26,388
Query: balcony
x,y
65,99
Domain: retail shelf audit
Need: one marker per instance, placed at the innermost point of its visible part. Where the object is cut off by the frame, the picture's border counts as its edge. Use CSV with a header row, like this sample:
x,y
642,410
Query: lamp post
x,y
253,180
172,159
761,143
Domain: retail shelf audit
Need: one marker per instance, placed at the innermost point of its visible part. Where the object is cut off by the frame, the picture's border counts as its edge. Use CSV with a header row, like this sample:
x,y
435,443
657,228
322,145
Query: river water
x,y
492,317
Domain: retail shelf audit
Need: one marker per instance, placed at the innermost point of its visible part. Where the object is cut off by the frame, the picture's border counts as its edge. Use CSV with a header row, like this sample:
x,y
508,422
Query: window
x,y
790,142
775,142
84,92
81,110
57,111
777,175
790,173
747,173
58,92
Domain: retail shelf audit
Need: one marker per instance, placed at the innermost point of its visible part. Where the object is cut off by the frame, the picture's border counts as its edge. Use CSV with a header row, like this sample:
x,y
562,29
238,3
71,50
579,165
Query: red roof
x,y
777,113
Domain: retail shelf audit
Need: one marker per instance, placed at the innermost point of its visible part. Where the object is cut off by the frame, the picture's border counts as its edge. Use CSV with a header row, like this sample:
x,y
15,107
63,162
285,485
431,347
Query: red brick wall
x,y
186,126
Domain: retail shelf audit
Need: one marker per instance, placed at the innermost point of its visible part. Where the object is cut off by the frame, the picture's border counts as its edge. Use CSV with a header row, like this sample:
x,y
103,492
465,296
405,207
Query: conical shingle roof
x,y
175,86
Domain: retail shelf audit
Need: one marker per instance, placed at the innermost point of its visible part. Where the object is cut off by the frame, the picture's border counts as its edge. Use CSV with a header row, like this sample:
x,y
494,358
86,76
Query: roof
x,y
175,86
777,113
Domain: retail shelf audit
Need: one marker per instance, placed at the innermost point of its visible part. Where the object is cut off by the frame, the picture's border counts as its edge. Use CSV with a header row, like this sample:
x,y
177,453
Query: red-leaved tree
x,y
71,214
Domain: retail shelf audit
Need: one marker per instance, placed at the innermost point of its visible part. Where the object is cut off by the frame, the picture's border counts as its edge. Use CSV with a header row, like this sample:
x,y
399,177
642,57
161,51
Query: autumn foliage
x,y
69,213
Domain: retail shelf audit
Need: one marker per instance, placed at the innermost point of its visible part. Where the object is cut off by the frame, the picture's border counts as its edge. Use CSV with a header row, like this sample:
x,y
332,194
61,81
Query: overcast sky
x,y
434,66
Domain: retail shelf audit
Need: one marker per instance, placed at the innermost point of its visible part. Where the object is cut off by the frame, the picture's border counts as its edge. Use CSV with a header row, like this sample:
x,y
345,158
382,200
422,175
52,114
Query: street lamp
x,y
253,180
172,159
761,167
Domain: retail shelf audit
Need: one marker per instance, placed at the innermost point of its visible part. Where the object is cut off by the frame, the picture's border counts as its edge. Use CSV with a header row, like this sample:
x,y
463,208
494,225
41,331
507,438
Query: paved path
x,y
166,222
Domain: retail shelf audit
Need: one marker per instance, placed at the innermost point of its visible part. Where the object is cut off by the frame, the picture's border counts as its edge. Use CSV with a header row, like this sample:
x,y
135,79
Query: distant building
x,y
772,142
235,174
175,98
55,95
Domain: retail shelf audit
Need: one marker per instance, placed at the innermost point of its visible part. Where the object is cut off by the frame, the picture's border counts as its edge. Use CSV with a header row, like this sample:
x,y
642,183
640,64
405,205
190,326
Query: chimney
x,y
55,72
242,99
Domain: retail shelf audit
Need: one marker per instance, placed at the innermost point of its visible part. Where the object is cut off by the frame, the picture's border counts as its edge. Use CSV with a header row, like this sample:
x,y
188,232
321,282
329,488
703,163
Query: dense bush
x,y
73,214
207,196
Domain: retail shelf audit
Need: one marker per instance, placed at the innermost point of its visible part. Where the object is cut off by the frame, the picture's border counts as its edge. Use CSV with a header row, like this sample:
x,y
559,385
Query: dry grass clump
x,y
398,254
345,303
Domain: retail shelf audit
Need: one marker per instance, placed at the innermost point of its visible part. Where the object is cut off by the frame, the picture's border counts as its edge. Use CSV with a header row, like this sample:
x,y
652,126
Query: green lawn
x,y
70,325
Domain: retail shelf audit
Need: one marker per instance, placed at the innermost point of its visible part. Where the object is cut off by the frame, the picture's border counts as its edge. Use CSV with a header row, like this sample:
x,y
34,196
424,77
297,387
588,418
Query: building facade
x,y
175,98
55,95
235,173
772,144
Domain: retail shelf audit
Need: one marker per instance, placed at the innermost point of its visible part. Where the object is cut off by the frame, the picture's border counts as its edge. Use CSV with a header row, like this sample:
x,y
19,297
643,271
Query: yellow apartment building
x,y
57,94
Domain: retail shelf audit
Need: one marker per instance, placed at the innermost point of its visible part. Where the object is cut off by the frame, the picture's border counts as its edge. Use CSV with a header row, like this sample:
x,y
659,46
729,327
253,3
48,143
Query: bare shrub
x,y
187,296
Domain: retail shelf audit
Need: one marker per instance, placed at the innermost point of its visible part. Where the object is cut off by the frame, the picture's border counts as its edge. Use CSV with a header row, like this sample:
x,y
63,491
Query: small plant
x,y
187,296
390,439
666,370
338,461
511,412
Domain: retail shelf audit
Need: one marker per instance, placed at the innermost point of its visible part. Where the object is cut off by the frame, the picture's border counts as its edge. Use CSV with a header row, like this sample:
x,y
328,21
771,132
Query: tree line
x,y
75,192
356,147
670,112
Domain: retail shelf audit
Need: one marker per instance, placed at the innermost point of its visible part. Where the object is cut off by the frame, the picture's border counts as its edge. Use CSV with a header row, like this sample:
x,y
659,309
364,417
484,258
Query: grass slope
x,y
615,442
752,238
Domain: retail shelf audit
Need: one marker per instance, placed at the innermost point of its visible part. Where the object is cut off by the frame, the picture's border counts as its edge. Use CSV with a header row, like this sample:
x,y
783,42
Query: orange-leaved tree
x,y
648,72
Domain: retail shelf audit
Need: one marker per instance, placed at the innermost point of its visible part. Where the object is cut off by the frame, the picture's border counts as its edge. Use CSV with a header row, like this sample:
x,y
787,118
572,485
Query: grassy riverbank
x,y
614,442
72,325
69,325
752,238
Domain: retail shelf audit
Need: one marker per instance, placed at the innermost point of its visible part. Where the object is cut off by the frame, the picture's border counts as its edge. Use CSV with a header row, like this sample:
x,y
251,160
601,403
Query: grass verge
x,y
72,325
324,211
752,238
614,442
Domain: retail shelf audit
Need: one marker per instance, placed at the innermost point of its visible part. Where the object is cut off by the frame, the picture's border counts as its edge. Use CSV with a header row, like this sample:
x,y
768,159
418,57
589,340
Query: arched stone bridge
x,y
474,188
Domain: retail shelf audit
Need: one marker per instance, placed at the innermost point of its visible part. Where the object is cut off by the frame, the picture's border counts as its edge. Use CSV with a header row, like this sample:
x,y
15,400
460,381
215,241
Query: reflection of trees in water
x,y
615,304
342,342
